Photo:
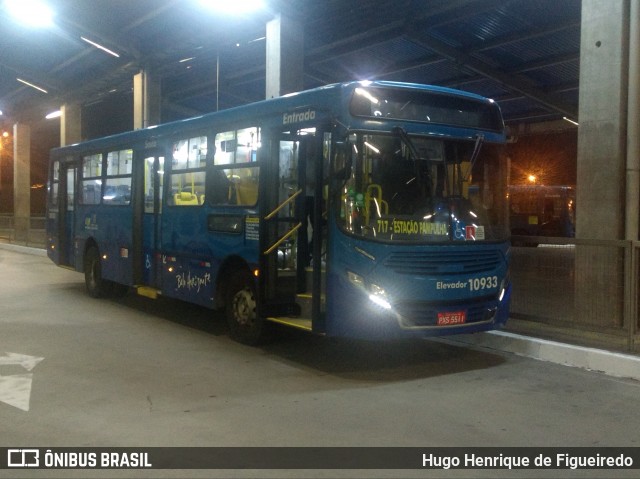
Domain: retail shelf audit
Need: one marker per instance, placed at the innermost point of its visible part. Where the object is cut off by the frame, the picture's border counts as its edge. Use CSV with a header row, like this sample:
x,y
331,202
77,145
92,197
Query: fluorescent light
x,y
32,85
54,114
570,121
97,45
33,13
234,8
371,147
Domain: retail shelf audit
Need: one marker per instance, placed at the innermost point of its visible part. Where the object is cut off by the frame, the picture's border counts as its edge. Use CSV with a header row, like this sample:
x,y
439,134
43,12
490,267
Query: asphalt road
x,y
136,372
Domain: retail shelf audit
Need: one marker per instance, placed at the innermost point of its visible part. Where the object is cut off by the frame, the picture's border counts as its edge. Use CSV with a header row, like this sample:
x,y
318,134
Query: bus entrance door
x,y
146,223
66,214
291,289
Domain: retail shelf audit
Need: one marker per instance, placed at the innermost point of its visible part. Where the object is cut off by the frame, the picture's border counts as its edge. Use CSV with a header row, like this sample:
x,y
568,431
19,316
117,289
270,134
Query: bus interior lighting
x,y
371,147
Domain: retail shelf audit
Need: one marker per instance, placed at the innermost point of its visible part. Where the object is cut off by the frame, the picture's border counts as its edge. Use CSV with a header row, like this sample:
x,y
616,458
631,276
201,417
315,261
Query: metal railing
x,y
35,235
576,289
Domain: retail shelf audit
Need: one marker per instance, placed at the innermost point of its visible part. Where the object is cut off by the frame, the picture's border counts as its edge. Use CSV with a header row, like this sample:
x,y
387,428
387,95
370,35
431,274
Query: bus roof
x,y
319,97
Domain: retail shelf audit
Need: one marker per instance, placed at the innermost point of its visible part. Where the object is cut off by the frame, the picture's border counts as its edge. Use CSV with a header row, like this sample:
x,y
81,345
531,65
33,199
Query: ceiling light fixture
x,y
238,7
32,85
33,13
570,121
54,114
97,45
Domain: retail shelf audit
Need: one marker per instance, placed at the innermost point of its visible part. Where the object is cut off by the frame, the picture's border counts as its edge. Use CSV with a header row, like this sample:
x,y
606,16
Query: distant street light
x,y
532,179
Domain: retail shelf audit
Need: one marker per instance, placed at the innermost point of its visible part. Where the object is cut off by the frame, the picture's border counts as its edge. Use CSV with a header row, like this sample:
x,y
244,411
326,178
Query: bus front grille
x,y
443,262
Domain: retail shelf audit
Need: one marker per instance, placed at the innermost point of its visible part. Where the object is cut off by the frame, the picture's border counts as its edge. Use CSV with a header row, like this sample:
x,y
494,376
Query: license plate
x,y
449,318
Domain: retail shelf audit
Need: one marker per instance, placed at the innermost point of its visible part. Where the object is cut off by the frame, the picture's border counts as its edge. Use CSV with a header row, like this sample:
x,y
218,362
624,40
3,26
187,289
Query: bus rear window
x,y
427,107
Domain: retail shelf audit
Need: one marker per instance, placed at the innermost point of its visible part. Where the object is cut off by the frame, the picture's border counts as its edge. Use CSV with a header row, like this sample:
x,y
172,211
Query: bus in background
x,y
364,209
537,210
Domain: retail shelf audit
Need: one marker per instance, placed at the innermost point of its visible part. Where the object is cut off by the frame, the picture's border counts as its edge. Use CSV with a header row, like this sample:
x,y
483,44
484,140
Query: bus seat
x,y
247,191
185,198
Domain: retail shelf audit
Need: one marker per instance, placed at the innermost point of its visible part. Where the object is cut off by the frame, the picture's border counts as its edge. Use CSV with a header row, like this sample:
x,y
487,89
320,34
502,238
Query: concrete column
x,y
632,221
21,181
603,119
146,100
285,56
601,180
70,124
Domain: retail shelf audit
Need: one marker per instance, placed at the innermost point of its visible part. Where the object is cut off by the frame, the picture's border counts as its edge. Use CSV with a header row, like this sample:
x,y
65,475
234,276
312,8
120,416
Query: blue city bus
x,y
366,209
539,210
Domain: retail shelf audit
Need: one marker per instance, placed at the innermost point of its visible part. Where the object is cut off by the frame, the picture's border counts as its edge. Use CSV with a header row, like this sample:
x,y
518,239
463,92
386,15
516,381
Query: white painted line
x,y
15,390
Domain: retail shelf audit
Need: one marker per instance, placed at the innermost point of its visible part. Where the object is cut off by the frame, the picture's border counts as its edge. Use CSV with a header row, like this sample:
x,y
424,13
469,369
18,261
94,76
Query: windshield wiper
x,y
400,132
474,155
404,137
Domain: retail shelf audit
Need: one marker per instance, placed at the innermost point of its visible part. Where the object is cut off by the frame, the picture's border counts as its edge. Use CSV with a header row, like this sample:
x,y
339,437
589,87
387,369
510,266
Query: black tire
x,y
96,286
245,326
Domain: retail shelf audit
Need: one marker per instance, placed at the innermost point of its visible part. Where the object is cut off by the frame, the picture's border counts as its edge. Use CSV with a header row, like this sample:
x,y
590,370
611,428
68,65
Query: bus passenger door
x,y
66,214
291,288
146,219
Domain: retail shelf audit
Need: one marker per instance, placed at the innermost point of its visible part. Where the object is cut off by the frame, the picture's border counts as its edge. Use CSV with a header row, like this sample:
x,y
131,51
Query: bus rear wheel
x,y
245,326
97,287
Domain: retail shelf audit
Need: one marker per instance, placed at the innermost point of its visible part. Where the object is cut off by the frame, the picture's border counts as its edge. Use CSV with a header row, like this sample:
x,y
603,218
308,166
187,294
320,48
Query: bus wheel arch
x,y
229,267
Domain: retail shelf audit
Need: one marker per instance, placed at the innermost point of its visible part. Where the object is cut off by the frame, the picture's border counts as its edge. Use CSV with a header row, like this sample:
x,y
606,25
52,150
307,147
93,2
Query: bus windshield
x,y
422,189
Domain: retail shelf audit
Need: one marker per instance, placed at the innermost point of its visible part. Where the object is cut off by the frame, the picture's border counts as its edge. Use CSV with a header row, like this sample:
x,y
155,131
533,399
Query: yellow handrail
x,y
282,205
281,240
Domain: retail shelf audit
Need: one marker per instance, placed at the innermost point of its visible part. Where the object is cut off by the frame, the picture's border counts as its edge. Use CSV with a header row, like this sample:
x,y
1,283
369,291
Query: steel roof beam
x,y
512,82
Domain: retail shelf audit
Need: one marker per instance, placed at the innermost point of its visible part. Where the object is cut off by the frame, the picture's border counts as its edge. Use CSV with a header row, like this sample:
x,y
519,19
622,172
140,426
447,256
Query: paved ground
x,y
136,373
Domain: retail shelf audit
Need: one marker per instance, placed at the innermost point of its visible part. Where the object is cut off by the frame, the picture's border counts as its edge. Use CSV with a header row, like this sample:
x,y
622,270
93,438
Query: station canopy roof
x,y
522,53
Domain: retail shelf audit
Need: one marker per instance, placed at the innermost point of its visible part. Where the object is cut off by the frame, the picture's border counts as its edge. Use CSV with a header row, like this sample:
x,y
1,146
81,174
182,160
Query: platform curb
x,y
592,359
23,249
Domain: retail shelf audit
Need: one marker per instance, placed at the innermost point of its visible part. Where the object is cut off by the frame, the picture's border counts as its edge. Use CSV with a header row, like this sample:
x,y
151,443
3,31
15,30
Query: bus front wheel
x,y
245,326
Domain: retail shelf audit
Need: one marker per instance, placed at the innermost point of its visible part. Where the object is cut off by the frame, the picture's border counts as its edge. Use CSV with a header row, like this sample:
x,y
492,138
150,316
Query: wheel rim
x,y
94,274
244,307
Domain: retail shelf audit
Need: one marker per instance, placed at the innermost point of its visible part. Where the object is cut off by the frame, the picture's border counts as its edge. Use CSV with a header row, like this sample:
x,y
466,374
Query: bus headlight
x,y
376,293
379,296
355,279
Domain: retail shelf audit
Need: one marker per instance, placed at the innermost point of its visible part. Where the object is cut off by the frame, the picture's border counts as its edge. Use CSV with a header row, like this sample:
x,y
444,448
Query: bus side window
x,y
218,188
188,172
91,179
